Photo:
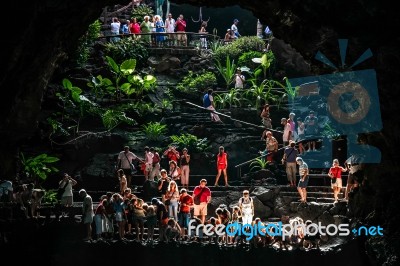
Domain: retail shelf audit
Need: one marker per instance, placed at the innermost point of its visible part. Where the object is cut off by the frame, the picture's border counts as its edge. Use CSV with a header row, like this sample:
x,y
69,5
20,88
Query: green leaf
x,y
113,65
128,66
67,83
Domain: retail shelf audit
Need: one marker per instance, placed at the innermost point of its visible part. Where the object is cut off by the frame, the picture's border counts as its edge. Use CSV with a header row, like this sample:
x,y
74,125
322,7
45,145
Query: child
x,y
151,221
236,215
173,230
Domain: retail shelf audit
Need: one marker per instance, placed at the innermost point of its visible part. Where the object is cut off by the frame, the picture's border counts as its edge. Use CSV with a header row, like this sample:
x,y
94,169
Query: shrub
x,y
246,58
238,47
127,48
154,130
190,142
141,11
197,82
83,52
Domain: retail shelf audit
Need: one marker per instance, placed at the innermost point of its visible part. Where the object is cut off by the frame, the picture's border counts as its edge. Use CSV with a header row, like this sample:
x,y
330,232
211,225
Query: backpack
x,y
242,198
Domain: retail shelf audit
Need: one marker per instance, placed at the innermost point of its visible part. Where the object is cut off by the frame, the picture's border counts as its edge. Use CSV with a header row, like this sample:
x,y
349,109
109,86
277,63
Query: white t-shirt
x,y
170,25
235,30
125,164
238,81
115,27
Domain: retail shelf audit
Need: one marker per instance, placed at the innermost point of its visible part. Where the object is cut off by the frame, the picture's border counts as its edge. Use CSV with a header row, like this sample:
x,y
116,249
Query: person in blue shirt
x,y
208,102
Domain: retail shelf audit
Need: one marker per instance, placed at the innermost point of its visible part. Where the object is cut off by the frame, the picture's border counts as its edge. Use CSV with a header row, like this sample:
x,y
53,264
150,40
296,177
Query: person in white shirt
x,y
235,29
170,26
239,79
115,27
125,159
148,159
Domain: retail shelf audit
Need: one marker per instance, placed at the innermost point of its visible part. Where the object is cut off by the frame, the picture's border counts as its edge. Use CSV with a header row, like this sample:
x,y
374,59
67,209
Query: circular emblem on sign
x,y
348,102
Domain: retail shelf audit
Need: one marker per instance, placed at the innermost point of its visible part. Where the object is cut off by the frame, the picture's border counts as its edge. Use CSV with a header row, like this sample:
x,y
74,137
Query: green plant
x,y
228,71
236,48
127,48
141,11
166,105
154,130
131,84
39,167
258,164
83,51
259,93
219,101
264,64
99,86
190,142
290,91
197,82
112,118
232,98
246,58
50,196
73,98
215,44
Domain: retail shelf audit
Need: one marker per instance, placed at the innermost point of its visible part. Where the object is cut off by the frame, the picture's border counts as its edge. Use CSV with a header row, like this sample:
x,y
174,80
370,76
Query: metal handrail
x,y
170,36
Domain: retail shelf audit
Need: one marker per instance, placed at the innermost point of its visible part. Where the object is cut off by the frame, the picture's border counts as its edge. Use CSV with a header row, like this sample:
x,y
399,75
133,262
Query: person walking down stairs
x,y
208,102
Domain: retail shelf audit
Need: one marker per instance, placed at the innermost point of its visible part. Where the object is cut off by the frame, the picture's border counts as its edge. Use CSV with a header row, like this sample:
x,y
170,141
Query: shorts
x,y
67,200
200,209
183,219
119,217
338,183
303,184
221,167
181,37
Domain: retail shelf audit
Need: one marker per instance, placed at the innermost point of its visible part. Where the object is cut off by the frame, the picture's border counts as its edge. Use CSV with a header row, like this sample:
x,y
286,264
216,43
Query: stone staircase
x,y
320,194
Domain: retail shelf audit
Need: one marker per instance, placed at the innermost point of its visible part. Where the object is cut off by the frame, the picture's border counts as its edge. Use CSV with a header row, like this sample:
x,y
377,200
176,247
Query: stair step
x,y
311,194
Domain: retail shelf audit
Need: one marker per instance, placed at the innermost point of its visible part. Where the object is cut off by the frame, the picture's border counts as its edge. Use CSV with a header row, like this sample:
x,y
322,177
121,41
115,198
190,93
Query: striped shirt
x,y
303,168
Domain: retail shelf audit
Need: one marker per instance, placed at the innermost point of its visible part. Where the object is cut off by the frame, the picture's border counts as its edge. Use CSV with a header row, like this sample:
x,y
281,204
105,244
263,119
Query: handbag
x,y
196,199
133,169
167,202
333,178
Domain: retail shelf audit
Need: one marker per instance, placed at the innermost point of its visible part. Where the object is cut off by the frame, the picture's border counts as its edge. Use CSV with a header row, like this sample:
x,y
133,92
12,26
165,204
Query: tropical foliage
x,y
154,131
189,141
39,167
197,82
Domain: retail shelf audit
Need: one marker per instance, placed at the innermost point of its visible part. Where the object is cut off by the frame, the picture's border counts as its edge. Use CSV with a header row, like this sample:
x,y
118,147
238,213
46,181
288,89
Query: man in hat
x,y
234,28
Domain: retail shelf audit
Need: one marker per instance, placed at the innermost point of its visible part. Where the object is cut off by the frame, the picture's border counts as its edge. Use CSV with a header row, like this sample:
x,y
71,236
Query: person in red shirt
x,y
172,154
134,26
335,172
180,26
185,203
203,194
222,165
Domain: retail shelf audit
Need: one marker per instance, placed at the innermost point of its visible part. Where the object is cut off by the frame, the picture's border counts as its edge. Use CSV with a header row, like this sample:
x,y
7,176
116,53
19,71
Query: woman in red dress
x,y
222,165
